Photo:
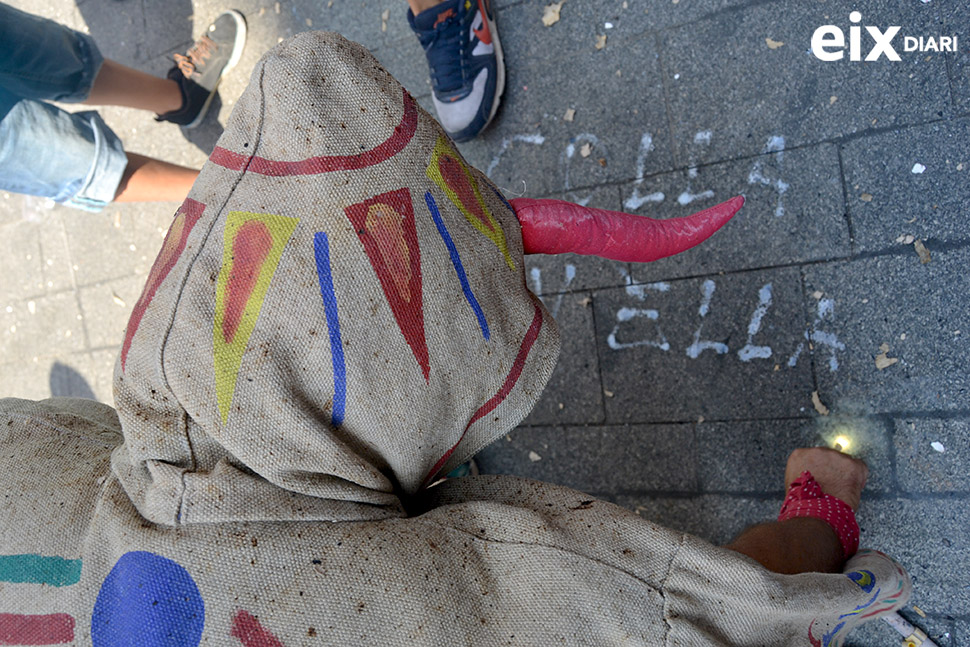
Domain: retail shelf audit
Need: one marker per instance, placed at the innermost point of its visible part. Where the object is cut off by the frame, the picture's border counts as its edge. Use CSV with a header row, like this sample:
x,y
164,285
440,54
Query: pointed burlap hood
x,y
337,315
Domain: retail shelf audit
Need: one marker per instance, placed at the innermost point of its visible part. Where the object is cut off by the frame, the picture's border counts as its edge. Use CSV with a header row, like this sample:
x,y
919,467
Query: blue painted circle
x,y
149,601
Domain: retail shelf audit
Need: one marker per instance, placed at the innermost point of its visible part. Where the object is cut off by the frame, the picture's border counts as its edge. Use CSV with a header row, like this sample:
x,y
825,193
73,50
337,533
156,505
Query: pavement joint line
x,y
717,13
905,252
98,349
74,288
837,141
693,421
924,414
948,61
899,128
882,416
668,113
775,494
598,351
808,315
889,432
845,201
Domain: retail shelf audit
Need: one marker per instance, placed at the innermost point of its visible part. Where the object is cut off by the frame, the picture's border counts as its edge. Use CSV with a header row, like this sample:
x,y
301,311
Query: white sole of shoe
x,y
500,69
237,50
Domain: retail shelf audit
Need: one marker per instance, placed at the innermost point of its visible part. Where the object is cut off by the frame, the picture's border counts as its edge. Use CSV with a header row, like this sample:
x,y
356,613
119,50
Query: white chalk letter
x,y
694,350
750,351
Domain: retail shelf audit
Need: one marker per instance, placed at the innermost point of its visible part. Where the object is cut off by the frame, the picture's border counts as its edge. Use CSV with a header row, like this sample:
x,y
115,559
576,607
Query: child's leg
x,y
151,180
119,85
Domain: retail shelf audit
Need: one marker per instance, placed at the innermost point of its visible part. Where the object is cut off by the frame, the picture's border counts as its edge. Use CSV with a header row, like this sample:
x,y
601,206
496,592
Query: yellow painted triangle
x,y
470,196
252,247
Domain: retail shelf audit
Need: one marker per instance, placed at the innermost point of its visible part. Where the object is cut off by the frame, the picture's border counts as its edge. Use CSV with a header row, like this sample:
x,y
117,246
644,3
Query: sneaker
x,y
465,59
199,71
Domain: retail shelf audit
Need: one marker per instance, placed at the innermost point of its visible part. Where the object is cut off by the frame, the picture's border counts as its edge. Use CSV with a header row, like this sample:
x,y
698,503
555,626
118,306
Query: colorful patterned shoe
x,y
199,71
465,60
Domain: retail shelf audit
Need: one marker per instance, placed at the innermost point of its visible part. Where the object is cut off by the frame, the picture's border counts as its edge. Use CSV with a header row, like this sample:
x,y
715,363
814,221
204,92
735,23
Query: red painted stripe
x,y
393,145
246,627
51,629
250,249
190,211
530,337
877,611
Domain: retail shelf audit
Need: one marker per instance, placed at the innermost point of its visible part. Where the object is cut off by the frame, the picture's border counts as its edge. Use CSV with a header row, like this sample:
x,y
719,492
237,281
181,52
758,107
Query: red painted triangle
x,y
385,226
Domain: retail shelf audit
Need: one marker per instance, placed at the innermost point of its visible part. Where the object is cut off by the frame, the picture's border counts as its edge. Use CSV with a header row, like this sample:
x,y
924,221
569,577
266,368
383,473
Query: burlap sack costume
x,y
337,316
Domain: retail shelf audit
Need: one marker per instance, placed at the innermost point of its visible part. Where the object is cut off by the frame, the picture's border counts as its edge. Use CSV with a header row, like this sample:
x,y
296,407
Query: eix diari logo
x,y
828,42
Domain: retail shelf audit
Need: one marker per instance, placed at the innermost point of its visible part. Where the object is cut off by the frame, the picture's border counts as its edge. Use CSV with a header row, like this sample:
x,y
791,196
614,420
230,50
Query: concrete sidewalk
x,y
683,384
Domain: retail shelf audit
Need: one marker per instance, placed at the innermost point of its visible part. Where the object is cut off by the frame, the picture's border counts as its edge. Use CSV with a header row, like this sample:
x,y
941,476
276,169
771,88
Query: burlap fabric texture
x,y
339,315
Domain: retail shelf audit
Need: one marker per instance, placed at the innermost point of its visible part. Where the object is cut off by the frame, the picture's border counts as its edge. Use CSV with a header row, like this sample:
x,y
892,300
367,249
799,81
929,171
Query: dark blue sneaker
x,y
465,58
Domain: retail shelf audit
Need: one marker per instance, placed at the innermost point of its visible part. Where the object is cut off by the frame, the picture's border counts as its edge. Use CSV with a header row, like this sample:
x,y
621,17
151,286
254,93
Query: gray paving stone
x,y
961,632
574,393
750,93
121,35
878,633
80,374
27,378
718,518
106,308
167,24
922,466
956,22
397,27
889,297
10,207
670,354
358,20
887,200
405,60
750,456
655,458
23,266
526,39
931,539
118,242
643,18
57,265
41,327
793,212
97,368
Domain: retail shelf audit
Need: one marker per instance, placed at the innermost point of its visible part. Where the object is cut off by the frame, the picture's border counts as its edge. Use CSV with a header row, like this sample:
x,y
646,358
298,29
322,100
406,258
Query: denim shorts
x,y
74,158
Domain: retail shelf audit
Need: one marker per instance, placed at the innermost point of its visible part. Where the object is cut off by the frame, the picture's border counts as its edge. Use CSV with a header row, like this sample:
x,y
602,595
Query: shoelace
x,y
196,55
444,52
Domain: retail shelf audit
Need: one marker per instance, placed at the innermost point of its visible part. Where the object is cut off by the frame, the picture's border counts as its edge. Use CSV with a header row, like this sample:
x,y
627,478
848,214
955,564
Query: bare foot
x,y
836,473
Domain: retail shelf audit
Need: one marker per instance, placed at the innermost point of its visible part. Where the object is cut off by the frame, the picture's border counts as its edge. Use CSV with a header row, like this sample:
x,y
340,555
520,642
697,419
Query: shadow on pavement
x,y
65,381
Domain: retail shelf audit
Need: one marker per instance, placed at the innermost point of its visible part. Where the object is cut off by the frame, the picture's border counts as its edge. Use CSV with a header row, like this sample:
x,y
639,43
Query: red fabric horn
x,y
558,227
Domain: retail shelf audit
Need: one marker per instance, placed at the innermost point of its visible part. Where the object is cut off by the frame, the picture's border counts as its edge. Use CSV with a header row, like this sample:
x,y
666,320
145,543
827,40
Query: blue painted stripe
x,y
456,261
39,569
321,248
508,205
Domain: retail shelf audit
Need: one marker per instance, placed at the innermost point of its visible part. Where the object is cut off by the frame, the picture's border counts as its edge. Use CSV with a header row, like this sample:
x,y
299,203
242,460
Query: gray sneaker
x,y
199,71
